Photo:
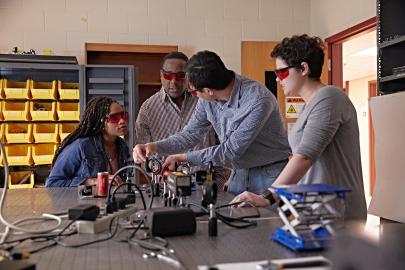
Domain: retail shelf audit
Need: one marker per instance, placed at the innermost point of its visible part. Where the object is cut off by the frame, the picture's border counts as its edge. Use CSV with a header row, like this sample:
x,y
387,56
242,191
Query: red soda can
x,y
102,183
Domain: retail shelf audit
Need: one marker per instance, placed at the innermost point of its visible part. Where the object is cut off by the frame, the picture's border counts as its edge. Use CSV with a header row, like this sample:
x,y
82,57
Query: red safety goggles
x,y
192,90
283,73
178,76
116,117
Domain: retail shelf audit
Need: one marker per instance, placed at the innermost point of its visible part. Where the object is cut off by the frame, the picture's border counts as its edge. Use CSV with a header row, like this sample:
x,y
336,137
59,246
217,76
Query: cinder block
x,y
11,4
66,21
167,9
186,26
297,27
14,38
207,9
25,20
133,7
75,40
41,5
214,44
54,40
107,22
241,9
154,39
302,10
128,38
87,5
277,9
264,30
232,62
227,28
148,25
232,46
187,50
285,29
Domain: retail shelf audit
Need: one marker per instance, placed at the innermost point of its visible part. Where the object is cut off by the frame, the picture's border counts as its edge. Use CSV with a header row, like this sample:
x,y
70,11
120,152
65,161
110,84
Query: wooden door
x,y
256,61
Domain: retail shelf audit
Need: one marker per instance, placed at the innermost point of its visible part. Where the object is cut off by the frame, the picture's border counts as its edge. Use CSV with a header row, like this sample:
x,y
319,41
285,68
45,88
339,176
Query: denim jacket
x,y
83,159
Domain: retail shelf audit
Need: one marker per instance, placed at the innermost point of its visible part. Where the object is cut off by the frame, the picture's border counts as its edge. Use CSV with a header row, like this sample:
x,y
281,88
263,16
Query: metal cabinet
x,y
391,46
118,82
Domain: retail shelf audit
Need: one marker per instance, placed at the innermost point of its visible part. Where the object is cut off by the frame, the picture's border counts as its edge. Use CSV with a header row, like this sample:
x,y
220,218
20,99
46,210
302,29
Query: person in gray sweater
x,y
325,138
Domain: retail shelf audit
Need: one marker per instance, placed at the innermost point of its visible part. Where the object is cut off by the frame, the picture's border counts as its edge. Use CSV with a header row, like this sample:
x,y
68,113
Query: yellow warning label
x,y
294,100
291,109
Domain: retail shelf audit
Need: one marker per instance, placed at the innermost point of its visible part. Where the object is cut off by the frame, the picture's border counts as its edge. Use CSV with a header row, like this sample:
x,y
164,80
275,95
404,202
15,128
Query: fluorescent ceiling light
x,y
367,52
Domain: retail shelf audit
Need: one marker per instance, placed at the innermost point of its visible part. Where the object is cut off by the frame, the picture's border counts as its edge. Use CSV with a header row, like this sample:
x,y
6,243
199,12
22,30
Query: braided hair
x,y
91,124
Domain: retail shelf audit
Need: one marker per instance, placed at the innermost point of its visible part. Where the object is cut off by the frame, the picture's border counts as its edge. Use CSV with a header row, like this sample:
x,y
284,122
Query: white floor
x,y
372,224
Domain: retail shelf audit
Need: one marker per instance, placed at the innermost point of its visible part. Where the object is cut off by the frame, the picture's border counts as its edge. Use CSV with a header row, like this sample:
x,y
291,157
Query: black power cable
x,y
238,223
110,184
112,234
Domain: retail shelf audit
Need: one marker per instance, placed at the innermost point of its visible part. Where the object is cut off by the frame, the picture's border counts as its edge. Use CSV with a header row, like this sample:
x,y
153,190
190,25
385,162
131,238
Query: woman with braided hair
x,y
94,146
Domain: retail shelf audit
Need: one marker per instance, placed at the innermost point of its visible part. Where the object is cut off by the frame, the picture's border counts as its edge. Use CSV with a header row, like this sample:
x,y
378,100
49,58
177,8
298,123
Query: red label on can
x,y
102,183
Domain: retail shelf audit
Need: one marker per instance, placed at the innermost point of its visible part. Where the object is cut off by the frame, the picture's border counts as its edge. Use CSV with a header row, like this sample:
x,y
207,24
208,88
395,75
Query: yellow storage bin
x,y
45,133
21,179
65,129
1,89
68,90
43,90
1,111
16,111
16,90
18,132
43,153
68,111
2,139
19,154
45,111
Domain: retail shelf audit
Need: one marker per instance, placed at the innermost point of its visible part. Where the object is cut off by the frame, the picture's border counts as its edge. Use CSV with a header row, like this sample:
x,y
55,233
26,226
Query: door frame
x,y
335,61
335,52
372,92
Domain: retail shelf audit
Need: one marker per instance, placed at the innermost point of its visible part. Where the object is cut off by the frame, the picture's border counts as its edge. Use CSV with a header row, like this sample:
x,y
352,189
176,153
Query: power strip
x,y
103,223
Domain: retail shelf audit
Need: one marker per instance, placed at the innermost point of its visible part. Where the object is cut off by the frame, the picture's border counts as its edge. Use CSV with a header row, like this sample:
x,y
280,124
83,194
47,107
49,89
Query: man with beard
x,y
169,110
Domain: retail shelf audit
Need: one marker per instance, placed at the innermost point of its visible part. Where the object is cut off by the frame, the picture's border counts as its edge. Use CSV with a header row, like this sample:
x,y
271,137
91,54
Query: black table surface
x,y
231,245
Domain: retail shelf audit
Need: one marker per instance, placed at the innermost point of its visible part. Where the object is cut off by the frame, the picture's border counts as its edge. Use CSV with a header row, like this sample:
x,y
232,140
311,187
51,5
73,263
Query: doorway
x,y
353,60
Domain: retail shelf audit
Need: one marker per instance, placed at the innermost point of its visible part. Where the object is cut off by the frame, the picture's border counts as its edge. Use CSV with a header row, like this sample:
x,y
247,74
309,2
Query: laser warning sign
x,y
293,106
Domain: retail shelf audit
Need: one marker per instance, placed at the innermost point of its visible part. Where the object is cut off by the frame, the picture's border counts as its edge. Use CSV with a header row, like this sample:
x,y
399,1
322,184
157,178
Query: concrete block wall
x,y
329,17
63,26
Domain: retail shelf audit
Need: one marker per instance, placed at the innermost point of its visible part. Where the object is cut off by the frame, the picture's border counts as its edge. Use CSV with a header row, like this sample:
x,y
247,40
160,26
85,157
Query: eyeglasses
x,y
192,90
116,117
283,73
178,76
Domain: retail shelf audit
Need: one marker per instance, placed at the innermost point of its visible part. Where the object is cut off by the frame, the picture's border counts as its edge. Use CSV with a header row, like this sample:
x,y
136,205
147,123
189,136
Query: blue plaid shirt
x,y
249,127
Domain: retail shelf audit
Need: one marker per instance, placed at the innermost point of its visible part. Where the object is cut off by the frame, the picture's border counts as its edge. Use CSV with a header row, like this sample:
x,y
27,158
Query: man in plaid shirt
x,y
246,118
167,111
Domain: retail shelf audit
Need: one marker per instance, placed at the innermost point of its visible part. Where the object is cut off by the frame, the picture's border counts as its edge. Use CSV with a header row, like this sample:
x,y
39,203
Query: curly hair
x,y
92,122
302,48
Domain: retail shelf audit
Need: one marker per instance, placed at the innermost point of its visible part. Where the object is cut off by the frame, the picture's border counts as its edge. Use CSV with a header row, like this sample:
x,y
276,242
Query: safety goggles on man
x,y
178,76
192,90
116,117
283,73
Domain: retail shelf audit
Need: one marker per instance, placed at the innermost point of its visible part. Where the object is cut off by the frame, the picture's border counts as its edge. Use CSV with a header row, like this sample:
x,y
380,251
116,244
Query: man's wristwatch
x,y
267,194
